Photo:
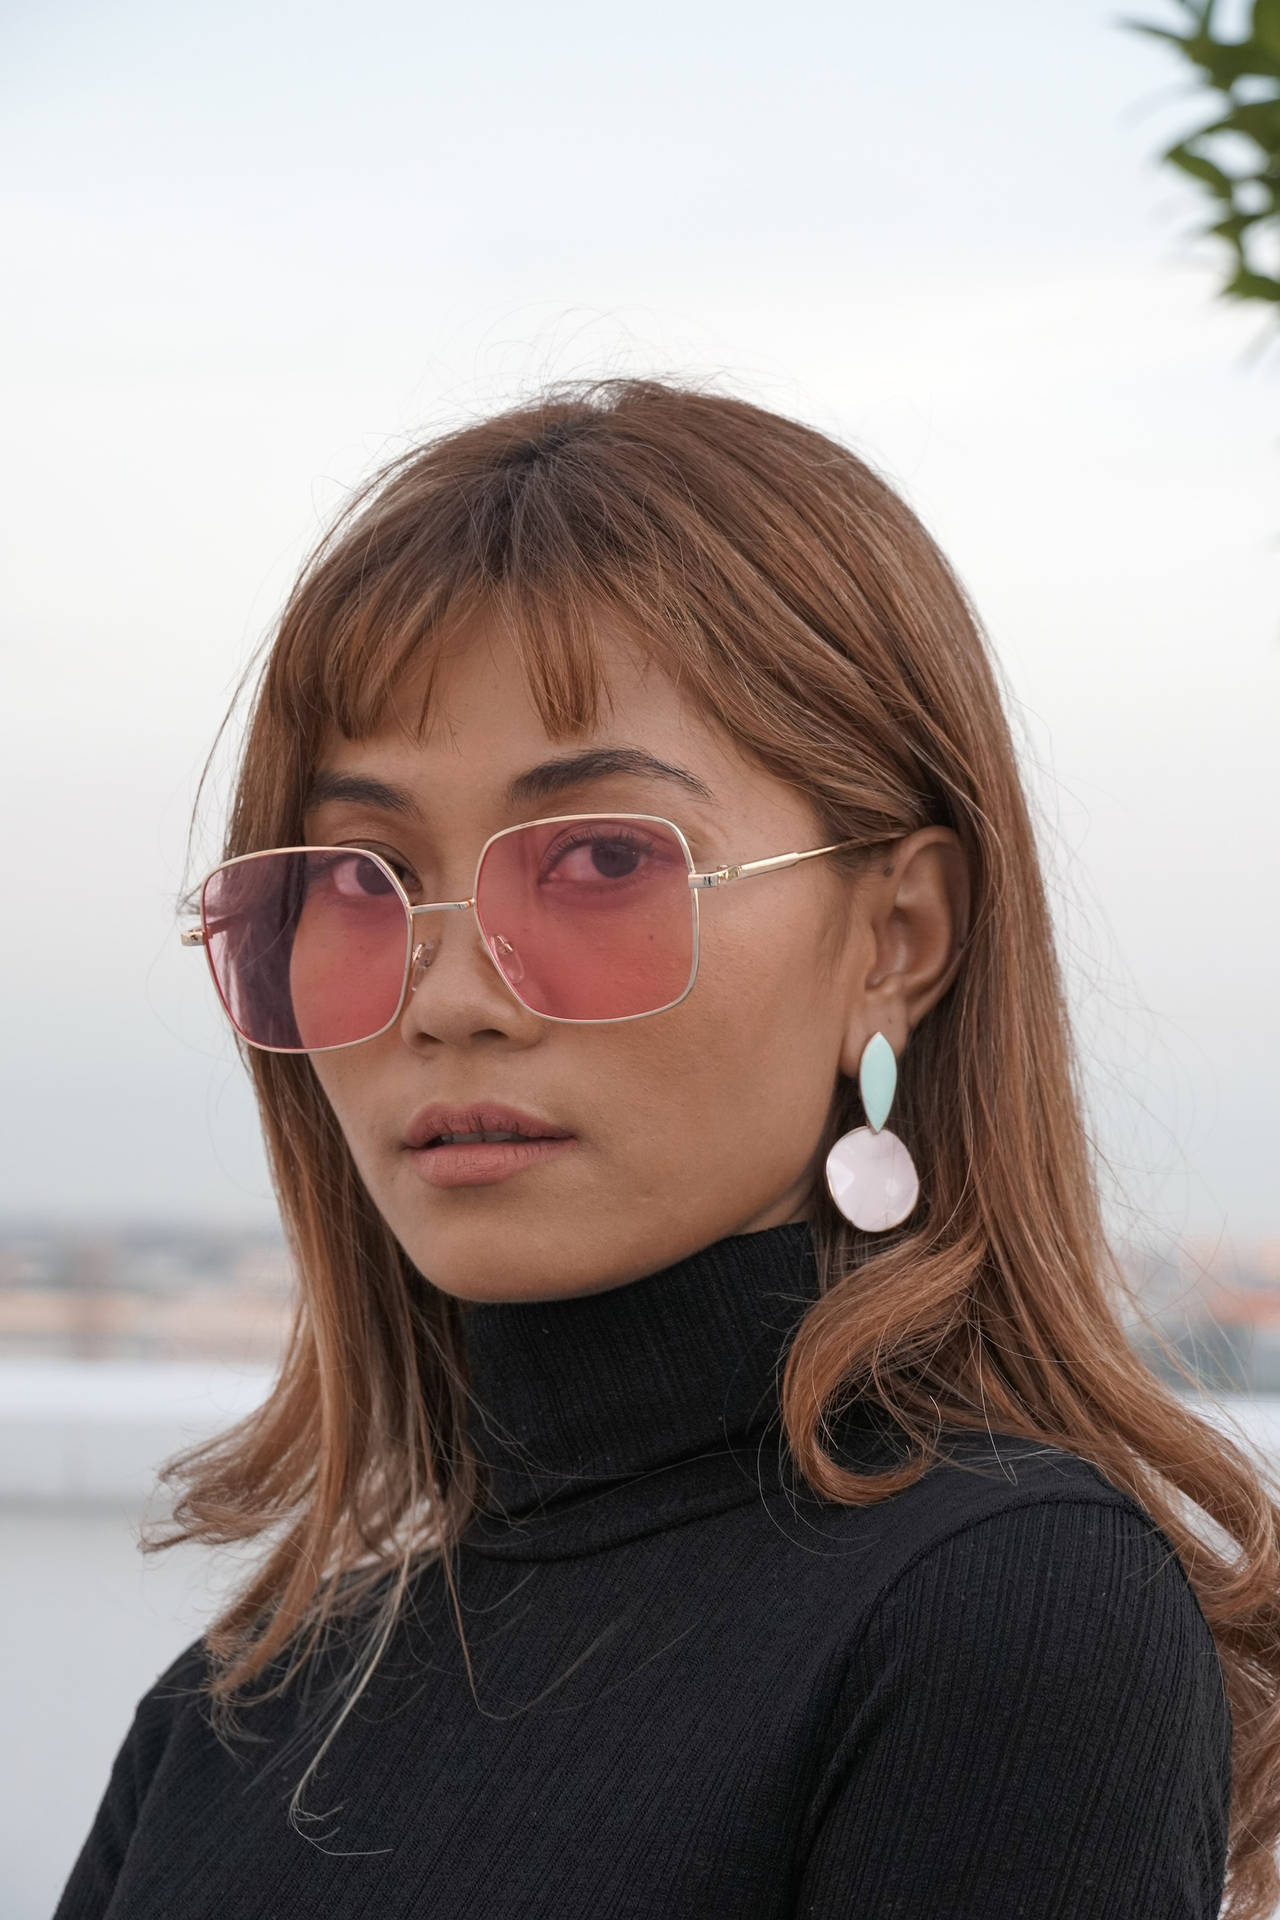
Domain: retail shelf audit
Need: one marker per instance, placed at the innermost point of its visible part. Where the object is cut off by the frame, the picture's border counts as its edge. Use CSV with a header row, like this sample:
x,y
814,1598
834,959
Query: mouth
x,y
477,1145
477,1122
475,1139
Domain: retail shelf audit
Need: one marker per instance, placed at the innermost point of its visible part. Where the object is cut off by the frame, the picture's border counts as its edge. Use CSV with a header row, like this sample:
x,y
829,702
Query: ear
x,y
914,909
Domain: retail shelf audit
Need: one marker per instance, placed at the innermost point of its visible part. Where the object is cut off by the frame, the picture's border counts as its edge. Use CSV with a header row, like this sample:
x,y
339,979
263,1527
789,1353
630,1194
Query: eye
x,y
595,855
355,878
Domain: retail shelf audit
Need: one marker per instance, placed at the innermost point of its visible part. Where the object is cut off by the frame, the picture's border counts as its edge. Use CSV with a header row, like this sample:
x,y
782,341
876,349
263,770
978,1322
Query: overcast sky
x,y
257,250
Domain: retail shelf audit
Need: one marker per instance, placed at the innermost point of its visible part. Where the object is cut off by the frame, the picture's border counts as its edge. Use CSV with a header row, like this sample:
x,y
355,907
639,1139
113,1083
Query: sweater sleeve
x,y
89,1888
1032,1724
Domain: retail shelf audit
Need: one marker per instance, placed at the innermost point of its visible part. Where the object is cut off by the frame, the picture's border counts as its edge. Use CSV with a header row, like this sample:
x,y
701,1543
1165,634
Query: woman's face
x,y
693,1123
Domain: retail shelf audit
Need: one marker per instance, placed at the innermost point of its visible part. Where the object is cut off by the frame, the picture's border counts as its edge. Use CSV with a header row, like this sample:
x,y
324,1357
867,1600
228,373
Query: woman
x,y
712,1501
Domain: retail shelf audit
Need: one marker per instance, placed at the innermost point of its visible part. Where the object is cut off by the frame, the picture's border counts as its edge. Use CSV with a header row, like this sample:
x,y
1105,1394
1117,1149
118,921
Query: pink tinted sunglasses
x,y
586,916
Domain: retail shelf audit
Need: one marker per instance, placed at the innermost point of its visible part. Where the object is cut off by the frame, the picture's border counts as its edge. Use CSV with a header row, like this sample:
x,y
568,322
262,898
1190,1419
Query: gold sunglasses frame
x,y
415,967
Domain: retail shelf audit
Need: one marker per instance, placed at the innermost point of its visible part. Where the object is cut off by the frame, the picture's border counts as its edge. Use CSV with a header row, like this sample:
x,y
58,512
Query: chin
x,y
478,1261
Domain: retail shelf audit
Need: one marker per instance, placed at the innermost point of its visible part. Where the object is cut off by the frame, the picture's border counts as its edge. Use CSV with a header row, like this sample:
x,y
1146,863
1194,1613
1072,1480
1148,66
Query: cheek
x,y
346,971
317,998
349,1083
743,1071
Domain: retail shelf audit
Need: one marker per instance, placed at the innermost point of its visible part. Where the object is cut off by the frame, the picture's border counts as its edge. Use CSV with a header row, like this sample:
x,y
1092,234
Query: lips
x,y
483,1117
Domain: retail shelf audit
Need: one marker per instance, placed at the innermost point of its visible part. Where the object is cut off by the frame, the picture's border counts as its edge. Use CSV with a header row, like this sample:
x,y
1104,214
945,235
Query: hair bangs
x,y
541,547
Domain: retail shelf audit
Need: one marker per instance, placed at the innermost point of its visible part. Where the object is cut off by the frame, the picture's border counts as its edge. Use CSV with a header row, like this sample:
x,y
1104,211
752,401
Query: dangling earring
x,y
870,1175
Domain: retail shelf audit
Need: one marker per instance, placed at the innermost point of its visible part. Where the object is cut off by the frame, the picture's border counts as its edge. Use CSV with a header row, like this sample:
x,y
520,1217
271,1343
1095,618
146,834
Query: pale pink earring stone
x,y
872,1179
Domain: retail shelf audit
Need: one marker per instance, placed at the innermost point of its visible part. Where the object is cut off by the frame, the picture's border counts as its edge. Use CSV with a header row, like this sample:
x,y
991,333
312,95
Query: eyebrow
x,y
543,782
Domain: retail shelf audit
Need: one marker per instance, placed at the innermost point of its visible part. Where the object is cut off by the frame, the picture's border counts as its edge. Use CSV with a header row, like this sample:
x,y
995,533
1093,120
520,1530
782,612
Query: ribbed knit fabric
x,y
700,1693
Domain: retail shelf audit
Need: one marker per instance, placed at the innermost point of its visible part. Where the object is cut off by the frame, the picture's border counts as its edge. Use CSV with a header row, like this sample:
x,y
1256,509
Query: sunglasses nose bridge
x,y
424,950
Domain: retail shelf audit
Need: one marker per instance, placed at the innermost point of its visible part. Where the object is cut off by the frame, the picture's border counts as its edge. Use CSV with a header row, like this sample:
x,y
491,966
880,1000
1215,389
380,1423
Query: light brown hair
x,y
800,602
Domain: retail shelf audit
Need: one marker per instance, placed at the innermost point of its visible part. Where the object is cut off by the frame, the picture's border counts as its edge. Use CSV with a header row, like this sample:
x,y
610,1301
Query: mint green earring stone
x,y
877,1080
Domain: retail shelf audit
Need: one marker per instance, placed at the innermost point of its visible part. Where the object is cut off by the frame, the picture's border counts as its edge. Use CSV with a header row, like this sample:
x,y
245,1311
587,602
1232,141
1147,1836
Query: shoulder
x,y
1029,1660
1018,1575
157,1712
1008,1551
139,1760
183,1679
977,1485
1076,1583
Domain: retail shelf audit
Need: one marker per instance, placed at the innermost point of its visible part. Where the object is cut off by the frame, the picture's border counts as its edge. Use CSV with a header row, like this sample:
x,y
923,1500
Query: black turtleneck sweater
x,y
700,1692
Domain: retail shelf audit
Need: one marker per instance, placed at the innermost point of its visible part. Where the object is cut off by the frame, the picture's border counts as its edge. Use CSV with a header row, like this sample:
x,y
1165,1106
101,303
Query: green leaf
x,y
1182,41
1156,33
1236,225
1266,27
1259,119
1226,61
1220,184
1247,285
1221,64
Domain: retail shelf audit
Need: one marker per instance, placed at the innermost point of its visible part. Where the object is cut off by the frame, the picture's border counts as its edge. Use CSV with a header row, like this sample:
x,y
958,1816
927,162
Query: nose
x,y
468,994
423,954
510,963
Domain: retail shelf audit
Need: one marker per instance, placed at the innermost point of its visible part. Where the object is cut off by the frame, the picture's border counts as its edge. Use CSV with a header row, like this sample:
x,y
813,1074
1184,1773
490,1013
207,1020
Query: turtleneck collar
x,y
570,1398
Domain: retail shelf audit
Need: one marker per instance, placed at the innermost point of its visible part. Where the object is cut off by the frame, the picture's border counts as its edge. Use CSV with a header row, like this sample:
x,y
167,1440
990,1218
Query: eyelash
x,y
409,880
402,870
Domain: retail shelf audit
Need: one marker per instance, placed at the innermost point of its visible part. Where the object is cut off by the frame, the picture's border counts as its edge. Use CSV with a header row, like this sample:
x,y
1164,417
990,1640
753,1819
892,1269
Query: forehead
x,y
478,726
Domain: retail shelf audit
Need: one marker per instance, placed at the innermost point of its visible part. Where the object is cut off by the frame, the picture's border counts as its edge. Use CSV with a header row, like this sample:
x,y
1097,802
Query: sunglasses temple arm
x,y
746,868
194,936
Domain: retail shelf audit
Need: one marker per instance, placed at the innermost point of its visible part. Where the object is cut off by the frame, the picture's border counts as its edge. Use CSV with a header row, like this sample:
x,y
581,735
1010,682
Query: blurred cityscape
x,y
1217,1305
145,1292
182,1293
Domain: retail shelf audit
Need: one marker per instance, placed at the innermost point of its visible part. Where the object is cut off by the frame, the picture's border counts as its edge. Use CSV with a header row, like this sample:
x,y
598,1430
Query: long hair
x,y
801,604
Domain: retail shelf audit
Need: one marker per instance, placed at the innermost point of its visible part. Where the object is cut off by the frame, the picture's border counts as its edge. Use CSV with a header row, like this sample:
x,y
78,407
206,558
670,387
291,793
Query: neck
x,y
570,1396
